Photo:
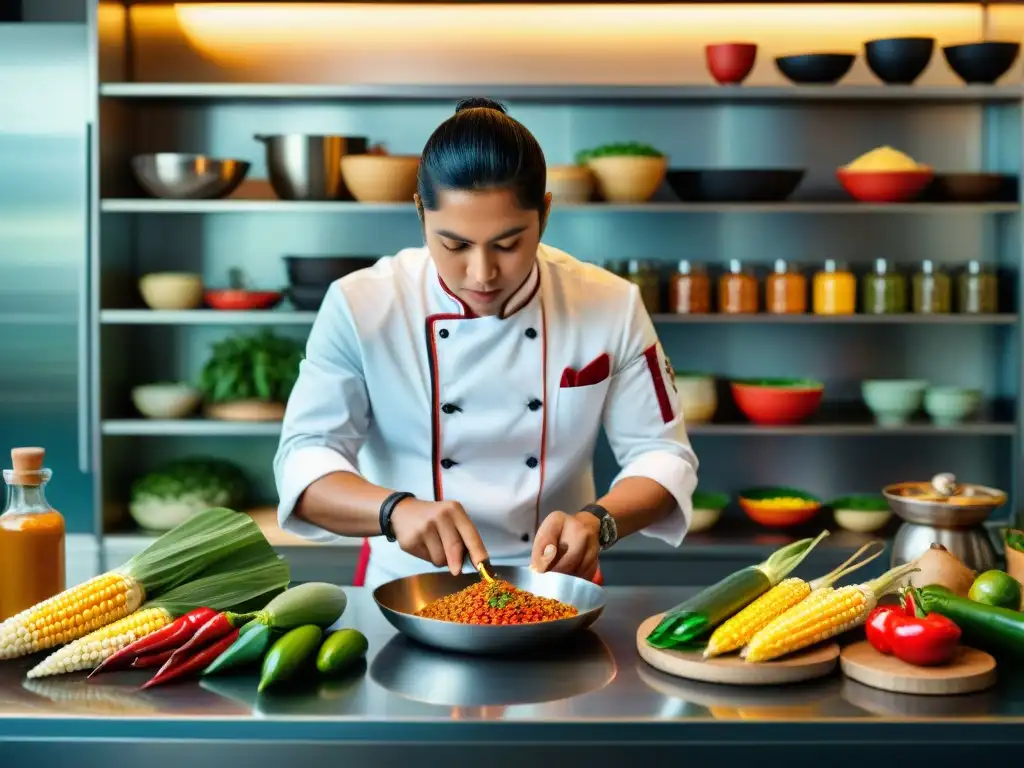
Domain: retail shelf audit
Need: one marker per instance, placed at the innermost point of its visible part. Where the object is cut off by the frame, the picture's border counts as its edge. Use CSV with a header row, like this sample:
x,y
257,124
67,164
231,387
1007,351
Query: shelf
x,y
149,205
562,93
291,317
205,317
210,428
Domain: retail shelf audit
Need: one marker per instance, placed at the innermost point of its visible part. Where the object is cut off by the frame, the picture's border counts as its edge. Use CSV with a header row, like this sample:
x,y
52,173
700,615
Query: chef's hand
x,y
439,532
567,544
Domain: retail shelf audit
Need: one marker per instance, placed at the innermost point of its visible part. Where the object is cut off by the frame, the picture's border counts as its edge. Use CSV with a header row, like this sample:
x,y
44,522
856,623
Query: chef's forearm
x,y
637,502
343,503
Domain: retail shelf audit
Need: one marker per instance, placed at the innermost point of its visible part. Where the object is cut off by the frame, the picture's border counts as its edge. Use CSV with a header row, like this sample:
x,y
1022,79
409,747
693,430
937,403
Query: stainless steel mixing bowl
x,y
399,601
303,167
940,514
179,176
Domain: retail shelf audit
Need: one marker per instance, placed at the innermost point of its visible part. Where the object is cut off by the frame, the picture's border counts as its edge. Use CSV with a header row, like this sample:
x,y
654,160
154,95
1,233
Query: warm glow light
x,y
346,42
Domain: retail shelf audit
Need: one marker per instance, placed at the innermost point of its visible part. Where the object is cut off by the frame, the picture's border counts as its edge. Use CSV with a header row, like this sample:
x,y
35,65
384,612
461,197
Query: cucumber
x,y
289,655
313,603
986,626
340,650
252,641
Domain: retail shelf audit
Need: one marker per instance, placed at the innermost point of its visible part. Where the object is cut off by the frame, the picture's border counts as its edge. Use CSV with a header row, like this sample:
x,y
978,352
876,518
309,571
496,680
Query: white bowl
x,y
172,290
166,401
698,397
162,516
862,521
703,519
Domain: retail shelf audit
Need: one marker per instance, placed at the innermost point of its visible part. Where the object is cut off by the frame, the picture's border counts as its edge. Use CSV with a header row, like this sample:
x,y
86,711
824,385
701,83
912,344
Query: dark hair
x,y
481,147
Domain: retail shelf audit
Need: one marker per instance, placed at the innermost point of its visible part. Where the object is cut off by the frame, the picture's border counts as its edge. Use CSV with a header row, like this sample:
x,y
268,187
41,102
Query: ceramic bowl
x,y
893,401
571,184
166,401
899,60
707,510
628,178
778,401
233,299
815,68
172,290
698,397
730,63
760,505
160,516
951,405
861,514
381,178
885,186
981,62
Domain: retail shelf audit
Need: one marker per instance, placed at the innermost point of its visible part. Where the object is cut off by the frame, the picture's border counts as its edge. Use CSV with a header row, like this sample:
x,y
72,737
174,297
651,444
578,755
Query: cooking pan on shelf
x,y
735,185
399,600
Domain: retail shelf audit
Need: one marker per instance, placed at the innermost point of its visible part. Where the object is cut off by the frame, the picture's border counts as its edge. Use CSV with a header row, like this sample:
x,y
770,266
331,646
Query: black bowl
x,y
734,185
981,62
323,270
899,60
307,297
815,68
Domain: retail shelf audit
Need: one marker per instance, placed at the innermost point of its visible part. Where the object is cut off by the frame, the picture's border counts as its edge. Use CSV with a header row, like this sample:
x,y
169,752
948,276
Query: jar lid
x,y
831,265
783,267
882,267
928,267
975,267
687,267
636,266
736,267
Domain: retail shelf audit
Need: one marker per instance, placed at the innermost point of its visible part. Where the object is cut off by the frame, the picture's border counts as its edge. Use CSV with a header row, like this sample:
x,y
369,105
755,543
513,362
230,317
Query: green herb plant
x,y
259,367
1014,539
618,149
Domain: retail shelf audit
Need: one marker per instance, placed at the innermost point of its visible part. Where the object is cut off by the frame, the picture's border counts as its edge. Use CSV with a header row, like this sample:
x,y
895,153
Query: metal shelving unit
x,y
134,234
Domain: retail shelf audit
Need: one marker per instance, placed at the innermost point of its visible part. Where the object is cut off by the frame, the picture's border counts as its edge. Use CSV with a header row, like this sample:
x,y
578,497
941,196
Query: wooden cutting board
x,y
817,661
970,670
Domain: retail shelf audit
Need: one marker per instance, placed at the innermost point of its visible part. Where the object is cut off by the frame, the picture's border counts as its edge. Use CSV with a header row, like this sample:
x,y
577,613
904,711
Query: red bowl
x,y
730,63
778,401
885,186
242,300
779,518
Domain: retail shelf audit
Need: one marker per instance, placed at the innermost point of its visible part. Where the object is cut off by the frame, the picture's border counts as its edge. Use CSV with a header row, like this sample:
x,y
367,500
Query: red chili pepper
x,y
911,636
172,636
179,666
153,659
213,630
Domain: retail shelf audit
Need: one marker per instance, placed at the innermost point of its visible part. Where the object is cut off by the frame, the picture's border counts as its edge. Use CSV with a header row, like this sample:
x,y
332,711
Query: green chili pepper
x,y
252,643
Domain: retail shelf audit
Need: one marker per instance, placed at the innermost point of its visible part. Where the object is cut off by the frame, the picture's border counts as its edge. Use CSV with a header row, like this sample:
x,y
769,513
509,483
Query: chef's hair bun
x,y
480,104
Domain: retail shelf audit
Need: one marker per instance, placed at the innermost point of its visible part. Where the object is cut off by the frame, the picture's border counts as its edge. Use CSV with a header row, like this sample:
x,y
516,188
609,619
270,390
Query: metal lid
x,y
832,266
687,267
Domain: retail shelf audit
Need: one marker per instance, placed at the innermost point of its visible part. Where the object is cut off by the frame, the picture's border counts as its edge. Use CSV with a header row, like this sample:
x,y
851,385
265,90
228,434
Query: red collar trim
x,y
522,296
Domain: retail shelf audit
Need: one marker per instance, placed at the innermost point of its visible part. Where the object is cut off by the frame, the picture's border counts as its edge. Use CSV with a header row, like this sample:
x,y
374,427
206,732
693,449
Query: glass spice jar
x,y
885,290
645,277
932,291
690,290
785,290
835,290
978,290
737,290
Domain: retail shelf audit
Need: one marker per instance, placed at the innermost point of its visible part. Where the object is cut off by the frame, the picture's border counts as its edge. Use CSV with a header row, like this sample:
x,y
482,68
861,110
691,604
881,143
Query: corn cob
x,y
184,553
70,615
822,617
87,652
738,630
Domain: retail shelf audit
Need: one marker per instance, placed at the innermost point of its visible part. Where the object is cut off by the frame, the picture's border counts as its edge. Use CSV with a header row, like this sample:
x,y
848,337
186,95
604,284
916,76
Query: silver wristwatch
x,y
608,533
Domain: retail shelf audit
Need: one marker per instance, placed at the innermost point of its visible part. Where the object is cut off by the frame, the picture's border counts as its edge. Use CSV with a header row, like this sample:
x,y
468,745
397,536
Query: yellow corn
x,y
70,615
87,652
737,631
811,621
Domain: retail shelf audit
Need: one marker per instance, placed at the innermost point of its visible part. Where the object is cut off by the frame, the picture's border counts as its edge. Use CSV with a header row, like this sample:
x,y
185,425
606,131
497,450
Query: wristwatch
x,y
608,533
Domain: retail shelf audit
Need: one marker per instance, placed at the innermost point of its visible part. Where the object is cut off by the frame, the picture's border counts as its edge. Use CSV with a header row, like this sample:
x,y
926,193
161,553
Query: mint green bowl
x,y
951,405
893,401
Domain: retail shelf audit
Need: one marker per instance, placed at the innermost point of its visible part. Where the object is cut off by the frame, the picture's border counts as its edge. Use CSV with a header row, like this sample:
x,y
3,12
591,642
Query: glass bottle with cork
x,y
31,536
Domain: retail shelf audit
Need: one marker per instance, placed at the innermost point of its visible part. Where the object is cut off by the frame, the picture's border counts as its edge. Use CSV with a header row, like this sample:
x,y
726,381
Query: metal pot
x,y
972,546
305,167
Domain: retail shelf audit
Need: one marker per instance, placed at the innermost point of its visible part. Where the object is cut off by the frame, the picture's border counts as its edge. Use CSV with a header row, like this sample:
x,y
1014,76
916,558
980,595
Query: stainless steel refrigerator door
x,y
44,228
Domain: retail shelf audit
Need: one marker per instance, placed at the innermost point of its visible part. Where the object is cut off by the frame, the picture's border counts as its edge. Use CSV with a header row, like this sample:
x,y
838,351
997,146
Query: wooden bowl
x,y
571,184
245,410
172,290
381,178
628,178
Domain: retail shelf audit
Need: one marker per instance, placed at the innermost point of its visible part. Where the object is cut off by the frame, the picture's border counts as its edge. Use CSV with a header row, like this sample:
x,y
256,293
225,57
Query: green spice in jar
x,y
978,290
884,290
646,278
932,293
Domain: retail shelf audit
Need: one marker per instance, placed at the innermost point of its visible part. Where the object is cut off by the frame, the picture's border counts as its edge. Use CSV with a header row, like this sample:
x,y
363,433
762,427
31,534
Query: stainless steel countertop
x,y
558,695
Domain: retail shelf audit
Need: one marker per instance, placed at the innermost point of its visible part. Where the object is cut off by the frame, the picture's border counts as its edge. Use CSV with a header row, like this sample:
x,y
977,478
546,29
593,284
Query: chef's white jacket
x,y
403,385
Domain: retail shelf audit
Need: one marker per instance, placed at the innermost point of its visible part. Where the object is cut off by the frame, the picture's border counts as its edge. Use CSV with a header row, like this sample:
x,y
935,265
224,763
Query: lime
x,y
996,588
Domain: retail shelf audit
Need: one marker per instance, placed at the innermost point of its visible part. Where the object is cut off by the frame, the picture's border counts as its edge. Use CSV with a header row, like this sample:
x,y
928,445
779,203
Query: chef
x,y
451,396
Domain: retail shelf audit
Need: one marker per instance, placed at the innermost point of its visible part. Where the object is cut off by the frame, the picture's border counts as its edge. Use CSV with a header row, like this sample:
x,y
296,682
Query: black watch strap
x,y
386,510
609,531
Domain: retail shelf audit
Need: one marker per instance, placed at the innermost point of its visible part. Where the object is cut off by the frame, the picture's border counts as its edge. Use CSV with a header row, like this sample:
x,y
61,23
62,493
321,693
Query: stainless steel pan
x,y
400,599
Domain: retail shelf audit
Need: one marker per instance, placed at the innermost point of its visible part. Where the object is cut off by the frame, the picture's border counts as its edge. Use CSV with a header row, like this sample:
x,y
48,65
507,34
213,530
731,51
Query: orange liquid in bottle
x,y
31,539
